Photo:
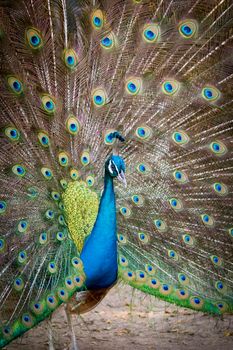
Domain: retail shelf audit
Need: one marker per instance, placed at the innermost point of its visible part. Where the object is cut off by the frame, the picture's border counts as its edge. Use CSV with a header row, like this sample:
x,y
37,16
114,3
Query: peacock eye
x,y
15,85
99,97
187,28
218,148
34,38
133,86
108,42
70,58
48,104
72,125
151,33
170,87
43,139
63,159
97,19
210,93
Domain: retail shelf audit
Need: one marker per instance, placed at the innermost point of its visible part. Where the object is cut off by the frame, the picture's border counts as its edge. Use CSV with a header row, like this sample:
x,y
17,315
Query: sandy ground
x,y
126,320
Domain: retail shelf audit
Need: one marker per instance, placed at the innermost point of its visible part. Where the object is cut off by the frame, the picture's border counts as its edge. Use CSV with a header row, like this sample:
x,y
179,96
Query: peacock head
x,y
115,167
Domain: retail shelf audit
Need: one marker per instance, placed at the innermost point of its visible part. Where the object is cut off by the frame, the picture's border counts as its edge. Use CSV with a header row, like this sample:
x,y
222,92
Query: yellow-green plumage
x,y
80,209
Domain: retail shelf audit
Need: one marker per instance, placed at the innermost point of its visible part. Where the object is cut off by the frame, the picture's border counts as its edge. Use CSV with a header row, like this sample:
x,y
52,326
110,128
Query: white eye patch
x,y
111,163
110,167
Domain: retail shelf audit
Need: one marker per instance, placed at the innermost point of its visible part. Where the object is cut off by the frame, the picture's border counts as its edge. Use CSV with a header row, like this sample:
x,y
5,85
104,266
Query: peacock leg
x,y
50,333
74,344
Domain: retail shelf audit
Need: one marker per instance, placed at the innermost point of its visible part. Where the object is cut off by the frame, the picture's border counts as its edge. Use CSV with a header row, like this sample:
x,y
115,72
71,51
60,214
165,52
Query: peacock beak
x,y
121,178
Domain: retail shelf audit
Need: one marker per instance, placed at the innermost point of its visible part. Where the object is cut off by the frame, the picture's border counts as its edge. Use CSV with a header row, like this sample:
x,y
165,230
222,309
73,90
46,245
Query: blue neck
x,y
99,254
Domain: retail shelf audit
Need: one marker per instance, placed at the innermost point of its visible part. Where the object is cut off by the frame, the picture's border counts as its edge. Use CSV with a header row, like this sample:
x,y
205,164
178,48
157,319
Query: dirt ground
x,y
126,320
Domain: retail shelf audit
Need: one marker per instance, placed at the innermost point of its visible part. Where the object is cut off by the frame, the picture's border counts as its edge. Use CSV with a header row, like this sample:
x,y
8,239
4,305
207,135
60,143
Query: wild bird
x,y
143,90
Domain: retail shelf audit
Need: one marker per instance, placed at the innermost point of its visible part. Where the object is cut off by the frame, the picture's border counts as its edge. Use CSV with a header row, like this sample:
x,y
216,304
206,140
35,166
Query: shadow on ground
x,y
126,320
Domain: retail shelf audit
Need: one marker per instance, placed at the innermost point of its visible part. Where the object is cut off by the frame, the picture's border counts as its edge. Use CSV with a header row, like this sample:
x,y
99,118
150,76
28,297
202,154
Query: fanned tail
x,y
73,73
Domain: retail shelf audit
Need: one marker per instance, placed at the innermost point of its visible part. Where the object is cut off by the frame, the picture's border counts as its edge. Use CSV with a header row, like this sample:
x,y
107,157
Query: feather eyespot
x,y
85,158
108,42
121,238
18,284
176,204
222,306
48,104
165,289
74,174
108,137
220,286
90,180
12,133
220,188
43,238
143,133
70,58
180,176
183,279
173,255
49,214
125,211
63,159
123,261
22,257
72,125
43,139
27,320
97,19
188,28
196,302
23,226
188,239
47,173
99,97
133,86
154,283
34,38
19,170
151,33
32,192
69,283
77,263
52,267
207,220
63,294
3,207
149,269
180,138
37,308
170,87
182,294
51,301
2,245
143,168
55,196
160,225
230,231
138,200
15,85
143,237
210,93
218,148
216,260
129,275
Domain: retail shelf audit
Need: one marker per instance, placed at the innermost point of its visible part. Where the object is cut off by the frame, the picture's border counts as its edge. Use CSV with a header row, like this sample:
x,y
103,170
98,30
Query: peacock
x,y
116,156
